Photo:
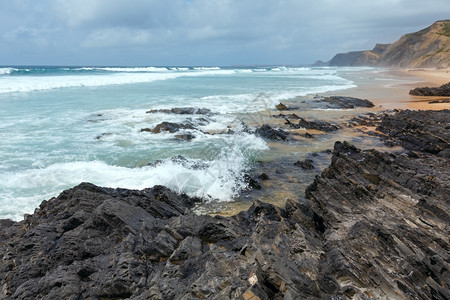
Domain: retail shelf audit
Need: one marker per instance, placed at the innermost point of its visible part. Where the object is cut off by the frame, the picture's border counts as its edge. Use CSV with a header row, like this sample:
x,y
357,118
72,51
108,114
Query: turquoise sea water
x,y
60,126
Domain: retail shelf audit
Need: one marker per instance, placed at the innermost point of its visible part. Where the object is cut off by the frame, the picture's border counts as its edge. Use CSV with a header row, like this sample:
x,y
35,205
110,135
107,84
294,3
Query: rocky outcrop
x,y
281,106
183,111
443,90
429,47
270,133
439,101
346,102
424,131
384,221
169,127
373,226
306,164
316,125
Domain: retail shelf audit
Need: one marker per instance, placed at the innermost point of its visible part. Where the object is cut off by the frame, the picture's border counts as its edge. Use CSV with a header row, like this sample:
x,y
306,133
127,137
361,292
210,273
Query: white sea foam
x,y
221,178
37,83
134,69
206,68
6,71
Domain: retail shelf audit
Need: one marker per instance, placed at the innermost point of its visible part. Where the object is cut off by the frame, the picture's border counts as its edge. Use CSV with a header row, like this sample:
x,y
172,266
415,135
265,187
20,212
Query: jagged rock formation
x,y
443,90
373,226
424,131
346,102
429,47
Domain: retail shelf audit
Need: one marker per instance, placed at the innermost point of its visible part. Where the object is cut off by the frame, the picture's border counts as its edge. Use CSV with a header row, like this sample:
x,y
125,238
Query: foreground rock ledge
x,y
374,226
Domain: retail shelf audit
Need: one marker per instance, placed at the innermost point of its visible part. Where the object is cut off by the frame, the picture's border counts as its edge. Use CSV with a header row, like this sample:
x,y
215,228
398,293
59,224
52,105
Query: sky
x,y
202,32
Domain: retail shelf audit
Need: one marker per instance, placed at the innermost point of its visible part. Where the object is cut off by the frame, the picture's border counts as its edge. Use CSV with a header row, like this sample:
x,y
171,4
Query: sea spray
x,y
64,125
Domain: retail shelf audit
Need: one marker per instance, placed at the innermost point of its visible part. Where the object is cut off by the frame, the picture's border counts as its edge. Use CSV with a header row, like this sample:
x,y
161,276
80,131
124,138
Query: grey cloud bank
x,y
202,32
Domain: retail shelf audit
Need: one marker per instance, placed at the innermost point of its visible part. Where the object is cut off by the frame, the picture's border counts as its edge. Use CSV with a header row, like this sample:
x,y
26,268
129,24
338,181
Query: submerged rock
x,y
169,127
346,102
443,90
317,125
281,106
270,133
440,101
289,117
186,136
183,111
305,164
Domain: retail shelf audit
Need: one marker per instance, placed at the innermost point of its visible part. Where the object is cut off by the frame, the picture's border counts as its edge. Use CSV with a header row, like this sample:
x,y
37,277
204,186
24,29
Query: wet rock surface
x,y
425,131
183,111
270,133
439,101
443,90
306,164
372,226
346,102
317,125
169,127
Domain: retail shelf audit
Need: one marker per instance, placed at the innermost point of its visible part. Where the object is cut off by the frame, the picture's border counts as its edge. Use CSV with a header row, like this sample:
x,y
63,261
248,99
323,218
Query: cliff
x,y
429,47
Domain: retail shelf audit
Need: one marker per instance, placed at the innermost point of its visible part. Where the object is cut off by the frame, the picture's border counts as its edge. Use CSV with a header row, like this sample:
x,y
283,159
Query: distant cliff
x,y
429,47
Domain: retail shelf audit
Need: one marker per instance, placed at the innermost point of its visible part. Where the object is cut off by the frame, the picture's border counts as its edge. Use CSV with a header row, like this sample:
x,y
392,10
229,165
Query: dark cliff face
x,y
429,47
373,225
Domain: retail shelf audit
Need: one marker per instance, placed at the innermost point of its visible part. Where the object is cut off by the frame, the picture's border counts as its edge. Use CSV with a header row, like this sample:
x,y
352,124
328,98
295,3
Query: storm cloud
x,y
202,32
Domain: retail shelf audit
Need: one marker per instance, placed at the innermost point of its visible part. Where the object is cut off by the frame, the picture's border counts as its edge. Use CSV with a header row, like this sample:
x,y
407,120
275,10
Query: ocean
x,y
60,126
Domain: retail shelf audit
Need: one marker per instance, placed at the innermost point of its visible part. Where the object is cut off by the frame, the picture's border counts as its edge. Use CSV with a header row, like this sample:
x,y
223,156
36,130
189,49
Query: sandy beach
x,y
389,88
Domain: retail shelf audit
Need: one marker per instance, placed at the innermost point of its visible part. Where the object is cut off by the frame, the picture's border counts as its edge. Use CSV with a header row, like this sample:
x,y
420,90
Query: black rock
x,y
289,117
186,136
443,90
440,101
183,111
268,132
346,102
263,176
169,127
426,131
251,183
281,106
373,225
318,125
305,164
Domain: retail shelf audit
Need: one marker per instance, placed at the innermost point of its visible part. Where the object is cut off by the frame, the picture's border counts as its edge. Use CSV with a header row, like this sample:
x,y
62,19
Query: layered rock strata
x,y
372,226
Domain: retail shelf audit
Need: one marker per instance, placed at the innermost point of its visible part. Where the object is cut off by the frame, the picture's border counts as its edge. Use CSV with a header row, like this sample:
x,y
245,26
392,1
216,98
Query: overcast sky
x,y
202,32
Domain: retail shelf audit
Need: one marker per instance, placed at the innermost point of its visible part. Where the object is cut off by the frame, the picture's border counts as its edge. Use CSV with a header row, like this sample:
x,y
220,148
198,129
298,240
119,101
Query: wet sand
x,y
387,88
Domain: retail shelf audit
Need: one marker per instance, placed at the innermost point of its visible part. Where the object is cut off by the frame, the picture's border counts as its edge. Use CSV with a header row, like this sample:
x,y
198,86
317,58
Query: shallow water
x,y
60,126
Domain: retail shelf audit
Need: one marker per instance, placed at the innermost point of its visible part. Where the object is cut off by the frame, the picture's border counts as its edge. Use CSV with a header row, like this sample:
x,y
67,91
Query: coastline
x,y
361,223
373,225
388,89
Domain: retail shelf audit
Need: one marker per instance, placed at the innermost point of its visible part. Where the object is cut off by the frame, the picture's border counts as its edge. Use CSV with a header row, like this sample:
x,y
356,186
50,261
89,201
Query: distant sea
x,y
60,126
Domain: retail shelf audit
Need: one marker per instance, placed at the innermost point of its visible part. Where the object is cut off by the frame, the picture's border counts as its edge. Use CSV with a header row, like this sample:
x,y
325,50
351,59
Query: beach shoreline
x,y
389,88
287,181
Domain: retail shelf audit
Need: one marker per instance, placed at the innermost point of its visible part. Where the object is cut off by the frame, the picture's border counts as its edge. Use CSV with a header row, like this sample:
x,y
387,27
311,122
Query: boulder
x,y
317,125
305,164
346,102
270,133
443,90
281,106
169,127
